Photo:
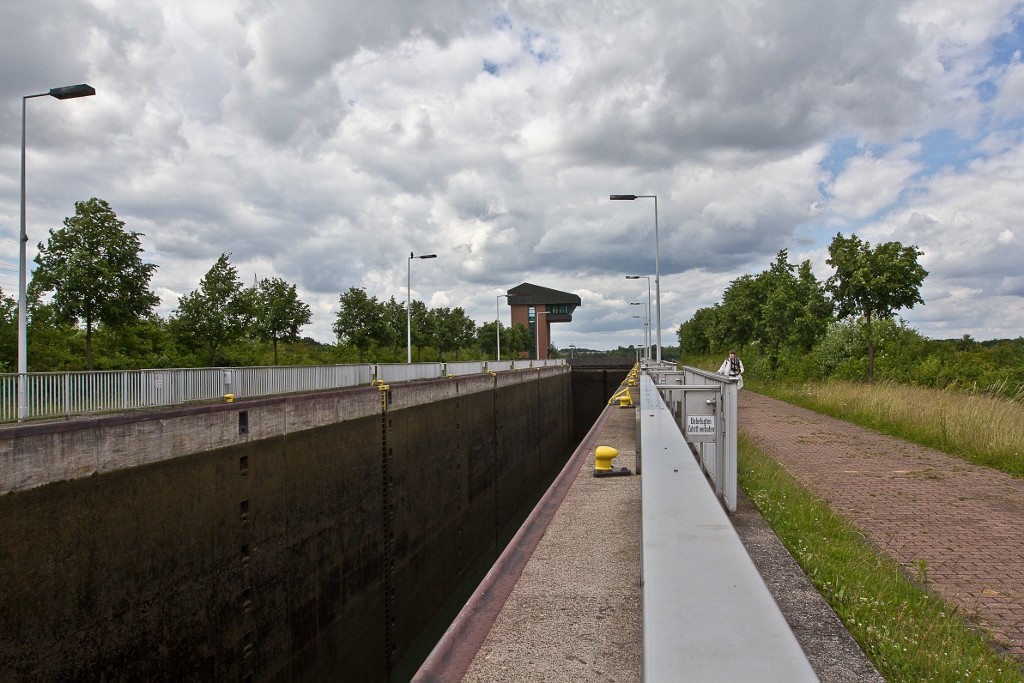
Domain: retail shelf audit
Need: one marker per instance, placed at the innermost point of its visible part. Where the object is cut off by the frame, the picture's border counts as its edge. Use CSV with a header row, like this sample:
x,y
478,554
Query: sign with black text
x,y
700,425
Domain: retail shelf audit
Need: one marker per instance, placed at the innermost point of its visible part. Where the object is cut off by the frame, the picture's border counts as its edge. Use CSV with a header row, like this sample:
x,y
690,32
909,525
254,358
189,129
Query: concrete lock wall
x,y
315,546
591,389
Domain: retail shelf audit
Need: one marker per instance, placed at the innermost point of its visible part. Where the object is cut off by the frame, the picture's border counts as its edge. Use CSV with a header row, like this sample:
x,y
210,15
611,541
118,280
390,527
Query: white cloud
x,y
868,184
323,141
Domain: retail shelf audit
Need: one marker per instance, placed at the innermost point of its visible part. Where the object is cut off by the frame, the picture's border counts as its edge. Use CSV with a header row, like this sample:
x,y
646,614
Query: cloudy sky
x,y
321,141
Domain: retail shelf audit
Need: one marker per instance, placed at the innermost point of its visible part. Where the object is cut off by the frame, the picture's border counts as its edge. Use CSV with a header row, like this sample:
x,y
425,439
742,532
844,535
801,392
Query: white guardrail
x,y
707,614
56,394
704,407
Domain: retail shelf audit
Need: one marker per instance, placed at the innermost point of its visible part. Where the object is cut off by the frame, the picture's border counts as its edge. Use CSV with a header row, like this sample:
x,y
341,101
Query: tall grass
x,y
907,632
982,428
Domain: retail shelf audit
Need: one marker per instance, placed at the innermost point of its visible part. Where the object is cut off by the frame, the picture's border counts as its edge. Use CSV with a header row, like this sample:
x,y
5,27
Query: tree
x,y
697,334
739,311
215,314
518,339
422,326
873,283
277,312
8,333
487,338
393,321
359,320
464,330
451,330
92,266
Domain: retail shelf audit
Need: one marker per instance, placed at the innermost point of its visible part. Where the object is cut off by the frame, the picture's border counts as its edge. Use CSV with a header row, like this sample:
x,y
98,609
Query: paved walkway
x,y
575,614
965,521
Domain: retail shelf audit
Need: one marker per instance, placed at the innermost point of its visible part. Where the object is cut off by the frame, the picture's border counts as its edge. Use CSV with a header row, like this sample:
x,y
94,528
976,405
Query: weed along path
x,y
958,526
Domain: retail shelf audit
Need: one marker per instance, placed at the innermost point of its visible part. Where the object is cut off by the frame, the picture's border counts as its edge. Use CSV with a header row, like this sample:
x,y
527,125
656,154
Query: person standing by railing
x,y
733,367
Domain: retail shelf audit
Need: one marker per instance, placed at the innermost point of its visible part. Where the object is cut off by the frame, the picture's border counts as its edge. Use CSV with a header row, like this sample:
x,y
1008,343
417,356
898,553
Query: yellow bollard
x,y
229,398
603,456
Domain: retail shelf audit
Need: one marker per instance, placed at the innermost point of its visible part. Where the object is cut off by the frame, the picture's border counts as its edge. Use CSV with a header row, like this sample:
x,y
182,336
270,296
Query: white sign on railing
x,y
700,425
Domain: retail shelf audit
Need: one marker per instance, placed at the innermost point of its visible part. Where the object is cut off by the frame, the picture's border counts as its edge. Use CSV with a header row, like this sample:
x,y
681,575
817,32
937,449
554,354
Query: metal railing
x,y
704,406
466,367
57,394
707,614
407,372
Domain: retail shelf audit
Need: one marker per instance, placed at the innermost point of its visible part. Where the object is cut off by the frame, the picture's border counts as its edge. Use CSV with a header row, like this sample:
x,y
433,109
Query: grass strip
x,y
980,428
908,632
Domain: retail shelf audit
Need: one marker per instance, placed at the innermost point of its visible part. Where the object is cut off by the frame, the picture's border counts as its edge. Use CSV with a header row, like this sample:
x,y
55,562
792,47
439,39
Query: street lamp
x,y
648,278
571,348
408,302
647,323
657,268
65,93
497,320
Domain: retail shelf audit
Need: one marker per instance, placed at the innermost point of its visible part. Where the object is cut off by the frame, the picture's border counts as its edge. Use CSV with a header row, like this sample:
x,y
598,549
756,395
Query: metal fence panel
x,y
53,394
499,365
522,364
407,372
471,367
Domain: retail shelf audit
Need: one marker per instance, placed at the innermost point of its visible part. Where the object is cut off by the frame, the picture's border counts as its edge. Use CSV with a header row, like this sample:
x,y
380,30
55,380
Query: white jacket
x,y
725,370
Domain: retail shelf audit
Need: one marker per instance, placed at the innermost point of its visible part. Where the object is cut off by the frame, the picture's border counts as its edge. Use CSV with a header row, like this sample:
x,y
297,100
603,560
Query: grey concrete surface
x,y
833,653
575,614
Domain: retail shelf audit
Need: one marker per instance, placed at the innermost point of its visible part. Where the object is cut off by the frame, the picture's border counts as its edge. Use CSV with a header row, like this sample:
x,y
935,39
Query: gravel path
x,y
917,504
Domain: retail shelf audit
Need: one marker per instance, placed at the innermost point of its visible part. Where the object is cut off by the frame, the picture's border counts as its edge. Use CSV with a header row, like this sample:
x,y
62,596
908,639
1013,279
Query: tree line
x,y
785,312
90,307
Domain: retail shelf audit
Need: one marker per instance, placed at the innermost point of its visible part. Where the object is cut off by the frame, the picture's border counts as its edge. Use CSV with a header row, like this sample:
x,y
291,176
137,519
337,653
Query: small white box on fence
x,y
700,425
158,382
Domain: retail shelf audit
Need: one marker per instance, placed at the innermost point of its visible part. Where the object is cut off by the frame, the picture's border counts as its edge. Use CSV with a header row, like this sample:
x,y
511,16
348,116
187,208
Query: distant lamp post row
x,y
649,307
69,92
408,302
657,268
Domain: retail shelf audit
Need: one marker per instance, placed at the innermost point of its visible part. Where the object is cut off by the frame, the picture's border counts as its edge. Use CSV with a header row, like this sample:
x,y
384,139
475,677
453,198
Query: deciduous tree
x,y
277,312
359,319
216,313
874,283
94,269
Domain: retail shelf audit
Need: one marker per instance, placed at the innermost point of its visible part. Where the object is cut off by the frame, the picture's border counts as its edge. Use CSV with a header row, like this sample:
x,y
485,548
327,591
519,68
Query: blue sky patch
x,y
941,148
1007,48
491,67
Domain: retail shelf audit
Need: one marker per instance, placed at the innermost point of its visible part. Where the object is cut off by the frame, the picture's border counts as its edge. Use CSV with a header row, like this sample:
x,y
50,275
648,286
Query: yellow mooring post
x,y
229,398
603,457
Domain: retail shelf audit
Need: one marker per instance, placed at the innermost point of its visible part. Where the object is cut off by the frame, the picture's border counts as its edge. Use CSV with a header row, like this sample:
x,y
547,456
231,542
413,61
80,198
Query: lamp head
x,y
632,277
622,197
428,256
69,92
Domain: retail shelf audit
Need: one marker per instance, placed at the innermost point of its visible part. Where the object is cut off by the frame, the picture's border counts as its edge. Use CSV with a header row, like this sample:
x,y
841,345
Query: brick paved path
x,y
965,521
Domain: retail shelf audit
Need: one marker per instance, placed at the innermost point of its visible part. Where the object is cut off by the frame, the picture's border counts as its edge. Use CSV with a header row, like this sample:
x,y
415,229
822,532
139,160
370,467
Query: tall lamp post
x,y
65,93
649,306
657,268
408,302
497,319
